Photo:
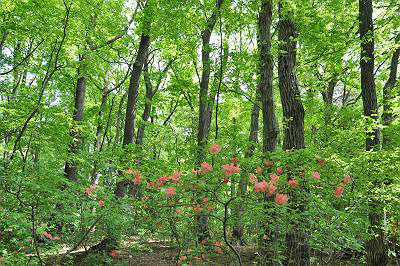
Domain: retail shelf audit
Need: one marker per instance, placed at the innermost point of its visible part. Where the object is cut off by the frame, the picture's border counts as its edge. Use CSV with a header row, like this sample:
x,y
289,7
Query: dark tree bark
x,y
270,129
368,90
297,250
130,116
388,96
70,170
375,247
293,111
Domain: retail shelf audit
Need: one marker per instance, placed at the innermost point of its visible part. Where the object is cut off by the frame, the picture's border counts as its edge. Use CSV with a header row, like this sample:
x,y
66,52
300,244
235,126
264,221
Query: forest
x,y
199,132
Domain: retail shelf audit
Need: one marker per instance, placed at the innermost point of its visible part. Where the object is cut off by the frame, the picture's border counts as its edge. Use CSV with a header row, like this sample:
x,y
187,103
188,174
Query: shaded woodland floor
x,y
162,254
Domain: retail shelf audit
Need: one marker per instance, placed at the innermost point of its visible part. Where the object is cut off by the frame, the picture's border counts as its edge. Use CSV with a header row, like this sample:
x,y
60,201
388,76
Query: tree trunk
x,y
297,250
266,64
376,247
71,170
99,133
238,228
119,122
130,117
204,108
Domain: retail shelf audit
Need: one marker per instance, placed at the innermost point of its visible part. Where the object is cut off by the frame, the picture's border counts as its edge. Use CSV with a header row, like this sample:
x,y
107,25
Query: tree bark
x,y
266,64
133,91
297,250
375,247
71,170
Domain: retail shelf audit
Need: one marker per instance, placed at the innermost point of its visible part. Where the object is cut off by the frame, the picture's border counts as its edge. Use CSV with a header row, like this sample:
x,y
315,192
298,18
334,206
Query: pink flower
x,y
259,170
205,200
151,185
253,179
279,170
230,169
260,186
114,253
271,189
162,181
293,183
90,190
346,179
339,191
205,168
274,178
281,199
214,149
101,203
176,177
316,175
138,179
48,235
170,192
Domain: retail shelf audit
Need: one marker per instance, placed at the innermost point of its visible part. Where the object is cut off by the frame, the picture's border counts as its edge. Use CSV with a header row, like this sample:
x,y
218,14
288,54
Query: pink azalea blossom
x,y
281,199
90,190
316,175
230,169
214,149
170,192
279,170
205,168
260,186
101,203
253,179
138,179
176,177
274,178
271,189
339,191
293,183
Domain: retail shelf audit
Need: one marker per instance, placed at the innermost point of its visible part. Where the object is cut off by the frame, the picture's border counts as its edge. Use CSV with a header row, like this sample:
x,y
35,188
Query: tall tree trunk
x,y
204,107
130,116
376,247
71,170
266,64
119,120
297,250
266,90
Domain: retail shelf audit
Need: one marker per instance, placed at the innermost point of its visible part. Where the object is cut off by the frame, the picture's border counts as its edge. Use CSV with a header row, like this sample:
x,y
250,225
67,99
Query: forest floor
x,y
162,254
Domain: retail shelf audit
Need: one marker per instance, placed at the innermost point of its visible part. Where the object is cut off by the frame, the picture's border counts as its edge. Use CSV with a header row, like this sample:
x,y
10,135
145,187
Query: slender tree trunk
x,y
130,117
376,246
99,133
297,250
71,169
204,108
147,105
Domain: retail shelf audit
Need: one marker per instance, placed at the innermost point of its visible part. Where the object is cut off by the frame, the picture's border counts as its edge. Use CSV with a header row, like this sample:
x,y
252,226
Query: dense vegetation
x,y
209,125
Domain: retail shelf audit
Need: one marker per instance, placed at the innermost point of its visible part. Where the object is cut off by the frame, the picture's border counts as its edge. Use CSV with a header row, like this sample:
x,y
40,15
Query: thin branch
x,y
23,60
